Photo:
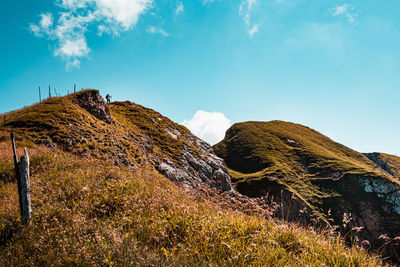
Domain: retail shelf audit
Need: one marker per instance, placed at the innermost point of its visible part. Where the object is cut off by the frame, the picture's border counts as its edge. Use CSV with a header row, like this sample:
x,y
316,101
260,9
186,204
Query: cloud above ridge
x,y
209,126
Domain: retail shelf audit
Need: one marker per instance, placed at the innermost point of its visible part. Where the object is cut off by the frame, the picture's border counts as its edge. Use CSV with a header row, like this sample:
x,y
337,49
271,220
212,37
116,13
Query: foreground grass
x,y
88,212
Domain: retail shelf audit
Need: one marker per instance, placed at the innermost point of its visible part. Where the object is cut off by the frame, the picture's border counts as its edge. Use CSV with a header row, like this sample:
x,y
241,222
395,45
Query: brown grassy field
x,y
89,212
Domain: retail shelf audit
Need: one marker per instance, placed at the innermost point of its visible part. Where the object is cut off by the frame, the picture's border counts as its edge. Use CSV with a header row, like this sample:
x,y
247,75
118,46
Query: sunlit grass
x,y
89,212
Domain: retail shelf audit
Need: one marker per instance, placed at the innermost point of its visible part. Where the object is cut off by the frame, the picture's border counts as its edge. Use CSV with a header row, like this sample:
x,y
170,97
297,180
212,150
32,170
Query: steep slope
x,y
89,212
300,168
98,197
126,133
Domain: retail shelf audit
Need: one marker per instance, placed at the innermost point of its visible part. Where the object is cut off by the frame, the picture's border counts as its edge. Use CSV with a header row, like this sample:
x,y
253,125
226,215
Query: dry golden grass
x,y
89,212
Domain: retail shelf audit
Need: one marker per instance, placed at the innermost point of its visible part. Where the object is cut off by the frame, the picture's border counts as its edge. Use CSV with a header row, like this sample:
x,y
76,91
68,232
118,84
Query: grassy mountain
x,y
91,212
126,133
120,184
286,150
277,159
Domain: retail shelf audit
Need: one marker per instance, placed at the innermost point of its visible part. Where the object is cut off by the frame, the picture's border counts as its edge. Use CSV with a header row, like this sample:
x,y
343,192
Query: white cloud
x,y
73,48
156,30
253,30
111,16
180,8
209,126
46,20
245,9
347,11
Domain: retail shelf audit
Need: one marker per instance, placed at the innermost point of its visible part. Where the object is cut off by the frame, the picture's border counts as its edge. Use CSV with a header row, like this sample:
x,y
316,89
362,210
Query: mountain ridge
x,y
103,175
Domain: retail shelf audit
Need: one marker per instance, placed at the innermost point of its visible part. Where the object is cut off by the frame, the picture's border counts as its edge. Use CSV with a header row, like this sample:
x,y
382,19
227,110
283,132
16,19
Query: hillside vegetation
x,y
288,151
98,196
89,212
273,160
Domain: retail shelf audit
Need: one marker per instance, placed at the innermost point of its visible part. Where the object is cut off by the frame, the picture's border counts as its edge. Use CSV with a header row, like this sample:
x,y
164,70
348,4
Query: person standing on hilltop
x,y
108,97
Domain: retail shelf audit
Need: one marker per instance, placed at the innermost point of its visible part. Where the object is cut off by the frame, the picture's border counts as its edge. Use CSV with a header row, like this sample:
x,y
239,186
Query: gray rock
x,y
175,175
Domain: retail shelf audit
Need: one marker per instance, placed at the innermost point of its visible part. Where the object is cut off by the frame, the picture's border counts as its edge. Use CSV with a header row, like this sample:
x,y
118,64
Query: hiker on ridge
x,y
108,97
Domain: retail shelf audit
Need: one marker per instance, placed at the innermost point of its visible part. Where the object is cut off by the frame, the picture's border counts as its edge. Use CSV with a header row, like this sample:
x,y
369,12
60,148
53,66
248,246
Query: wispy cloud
x,y
209,126
253,30
157,30
110,16
180,8
347,11
245,9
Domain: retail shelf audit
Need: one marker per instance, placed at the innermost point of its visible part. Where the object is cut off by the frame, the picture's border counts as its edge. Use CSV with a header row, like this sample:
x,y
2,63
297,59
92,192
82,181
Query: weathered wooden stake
x,y
16,167
40,95
23,182
74,88
49,92
26,210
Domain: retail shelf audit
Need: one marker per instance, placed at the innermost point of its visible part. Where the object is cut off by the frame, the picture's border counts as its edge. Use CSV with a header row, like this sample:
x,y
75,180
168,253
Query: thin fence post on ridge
x,y
40,96
49,92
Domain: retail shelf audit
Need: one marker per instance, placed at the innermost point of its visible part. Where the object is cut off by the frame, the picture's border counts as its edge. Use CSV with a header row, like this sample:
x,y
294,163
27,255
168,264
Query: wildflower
x,y
365,243
115,197
303,210
346,219
384,237
357,229
196,252
103,205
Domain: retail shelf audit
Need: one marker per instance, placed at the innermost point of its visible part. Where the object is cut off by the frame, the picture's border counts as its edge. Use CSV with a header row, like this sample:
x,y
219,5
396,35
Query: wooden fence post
x,y
26,210
16,167
40,95
23,182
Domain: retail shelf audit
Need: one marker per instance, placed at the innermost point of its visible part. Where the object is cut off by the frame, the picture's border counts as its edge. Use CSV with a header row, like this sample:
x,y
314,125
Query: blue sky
x,y
331,65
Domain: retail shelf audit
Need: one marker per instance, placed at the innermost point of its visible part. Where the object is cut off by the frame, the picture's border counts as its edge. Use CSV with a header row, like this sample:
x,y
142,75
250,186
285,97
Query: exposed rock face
x,y
388,163
92,102
195,168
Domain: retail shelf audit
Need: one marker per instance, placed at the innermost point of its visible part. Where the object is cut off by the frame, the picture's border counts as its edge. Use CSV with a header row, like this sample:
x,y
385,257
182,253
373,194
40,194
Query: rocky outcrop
x,y
388,163
92,102
200,167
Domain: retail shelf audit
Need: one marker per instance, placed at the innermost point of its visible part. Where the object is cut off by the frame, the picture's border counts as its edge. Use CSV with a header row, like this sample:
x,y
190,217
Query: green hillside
x,y
97,198
296,166
287,151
